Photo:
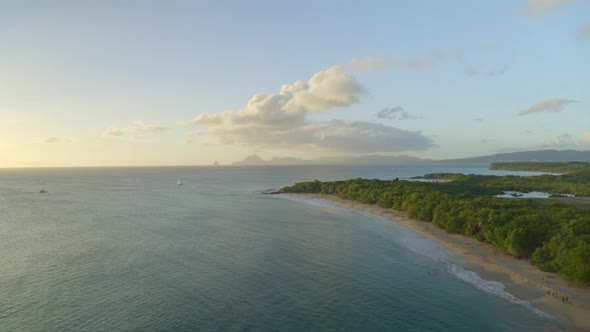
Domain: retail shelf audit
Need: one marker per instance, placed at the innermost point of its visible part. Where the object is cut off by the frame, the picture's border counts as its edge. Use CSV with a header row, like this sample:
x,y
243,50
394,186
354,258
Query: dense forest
x,y
555,237
575,183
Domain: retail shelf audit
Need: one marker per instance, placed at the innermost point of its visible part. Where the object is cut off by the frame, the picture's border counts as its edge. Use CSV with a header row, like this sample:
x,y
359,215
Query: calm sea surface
x,y
127,249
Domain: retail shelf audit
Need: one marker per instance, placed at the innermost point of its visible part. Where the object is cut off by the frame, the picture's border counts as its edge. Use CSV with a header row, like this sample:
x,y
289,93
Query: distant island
x,y
376,160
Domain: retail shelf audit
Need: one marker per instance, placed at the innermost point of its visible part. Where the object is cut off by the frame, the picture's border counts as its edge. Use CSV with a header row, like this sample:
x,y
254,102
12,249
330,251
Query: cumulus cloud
x,y
281,120
549,105
368,64
396,113
585,31
538,7
52,140
325,90
139,127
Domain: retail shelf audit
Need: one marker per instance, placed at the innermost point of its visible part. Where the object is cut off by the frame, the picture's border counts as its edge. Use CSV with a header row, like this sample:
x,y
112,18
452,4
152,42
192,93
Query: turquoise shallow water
x,y
127,249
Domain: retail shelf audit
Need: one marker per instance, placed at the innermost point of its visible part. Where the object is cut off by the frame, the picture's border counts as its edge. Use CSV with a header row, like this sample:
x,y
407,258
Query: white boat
x,y
178,182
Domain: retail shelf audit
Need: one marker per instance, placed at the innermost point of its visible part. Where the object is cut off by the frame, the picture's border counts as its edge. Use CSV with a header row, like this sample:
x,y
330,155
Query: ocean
x,y
109,249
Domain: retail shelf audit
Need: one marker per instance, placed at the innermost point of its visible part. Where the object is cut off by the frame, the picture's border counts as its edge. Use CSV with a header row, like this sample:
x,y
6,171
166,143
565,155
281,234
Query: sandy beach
x,y
545,291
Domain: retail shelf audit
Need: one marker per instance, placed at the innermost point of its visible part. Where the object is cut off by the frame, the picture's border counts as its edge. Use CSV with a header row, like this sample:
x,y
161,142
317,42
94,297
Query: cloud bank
x,y
549,105
281,120
396,113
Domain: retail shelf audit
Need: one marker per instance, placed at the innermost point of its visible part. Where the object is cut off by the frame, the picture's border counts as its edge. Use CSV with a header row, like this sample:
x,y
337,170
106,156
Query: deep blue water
x,y
127,249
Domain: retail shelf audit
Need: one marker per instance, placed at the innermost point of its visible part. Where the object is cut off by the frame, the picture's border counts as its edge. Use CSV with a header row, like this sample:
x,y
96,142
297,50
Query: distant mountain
x,y
540,155
253,160
372,160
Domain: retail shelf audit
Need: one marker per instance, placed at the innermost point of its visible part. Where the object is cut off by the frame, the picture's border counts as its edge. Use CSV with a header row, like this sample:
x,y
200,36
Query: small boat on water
x,y
43,191
178,182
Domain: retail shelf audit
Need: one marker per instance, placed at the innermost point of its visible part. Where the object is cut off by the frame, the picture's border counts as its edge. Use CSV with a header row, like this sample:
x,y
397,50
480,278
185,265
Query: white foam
x,y
492,287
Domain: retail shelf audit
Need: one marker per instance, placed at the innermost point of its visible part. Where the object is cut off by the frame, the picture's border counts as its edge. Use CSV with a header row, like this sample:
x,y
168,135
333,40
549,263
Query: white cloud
x,y
538,7
549,105
396,113
139,127
279,121
52,140
325,90
368,64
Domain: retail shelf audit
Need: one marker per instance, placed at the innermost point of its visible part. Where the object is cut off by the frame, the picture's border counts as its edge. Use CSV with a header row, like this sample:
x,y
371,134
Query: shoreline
x,y
543,290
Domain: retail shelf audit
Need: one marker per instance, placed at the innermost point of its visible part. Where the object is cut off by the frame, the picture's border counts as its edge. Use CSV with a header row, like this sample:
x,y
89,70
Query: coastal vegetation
x,y
555,237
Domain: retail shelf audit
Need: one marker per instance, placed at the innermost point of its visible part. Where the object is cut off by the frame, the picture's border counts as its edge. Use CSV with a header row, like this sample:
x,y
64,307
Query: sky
x,y
130,83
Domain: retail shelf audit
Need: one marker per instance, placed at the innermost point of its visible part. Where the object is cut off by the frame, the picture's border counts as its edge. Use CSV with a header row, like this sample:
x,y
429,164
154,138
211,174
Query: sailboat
x,y
43,191
178,182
